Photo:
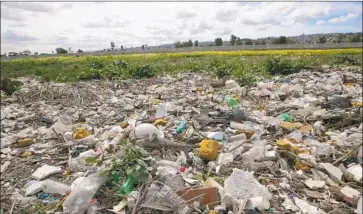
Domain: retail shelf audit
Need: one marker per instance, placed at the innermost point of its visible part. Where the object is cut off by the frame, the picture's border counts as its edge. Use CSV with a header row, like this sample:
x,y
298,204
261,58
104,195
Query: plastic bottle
x,y
82,193
128,186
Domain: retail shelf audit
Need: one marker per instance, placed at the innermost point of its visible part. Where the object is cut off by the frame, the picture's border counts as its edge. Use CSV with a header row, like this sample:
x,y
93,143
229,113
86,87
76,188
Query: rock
x,y
350,193
231,84
313,194
332,169
45,171
241,184
5,166
314,184
356,170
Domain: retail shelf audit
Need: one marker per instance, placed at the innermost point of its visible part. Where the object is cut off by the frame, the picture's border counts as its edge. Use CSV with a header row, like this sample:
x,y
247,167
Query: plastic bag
x,y
82,193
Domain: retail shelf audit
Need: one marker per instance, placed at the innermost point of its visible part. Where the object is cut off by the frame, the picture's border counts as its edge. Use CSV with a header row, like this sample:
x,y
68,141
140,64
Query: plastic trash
x,y
232,102
215,135
80,133
44,171
148,131
181,126
286,117
208,150
128,186
82,193
167,163
295,136
261,203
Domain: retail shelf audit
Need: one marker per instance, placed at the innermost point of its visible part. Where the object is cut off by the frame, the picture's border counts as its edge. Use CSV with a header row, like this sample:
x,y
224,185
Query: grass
x,y
243,65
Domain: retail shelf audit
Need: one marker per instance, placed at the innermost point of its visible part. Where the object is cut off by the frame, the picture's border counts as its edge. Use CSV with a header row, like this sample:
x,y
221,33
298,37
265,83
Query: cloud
x,y
12,36
349,16
10,15
18,24
200,28
222,32
67,6
241,3
320,22
107,23
226,16
28,6
185,15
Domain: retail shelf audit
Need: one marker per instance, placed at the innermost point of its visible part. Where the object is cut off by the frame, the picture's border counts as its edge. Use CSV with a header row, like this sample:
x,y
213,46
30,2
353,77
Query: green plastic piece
x,y
128,186
285,117
232,102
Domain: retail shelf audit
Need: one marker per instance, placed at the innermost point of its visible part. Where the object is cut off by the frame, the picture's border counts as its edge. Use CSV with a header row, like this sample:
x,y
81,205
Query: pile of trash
x,y
185,144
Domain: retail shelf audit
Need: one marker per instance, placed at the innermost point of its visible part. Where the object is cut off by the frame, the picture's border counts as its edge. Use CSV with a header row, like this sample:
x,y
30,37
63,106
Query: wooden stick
x,y
346,155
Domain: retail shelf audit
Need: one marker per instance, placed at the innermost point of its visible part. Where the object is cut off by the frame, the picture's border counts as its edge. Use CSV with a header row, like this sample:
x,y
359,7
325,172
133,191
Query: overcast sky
x,y
42,27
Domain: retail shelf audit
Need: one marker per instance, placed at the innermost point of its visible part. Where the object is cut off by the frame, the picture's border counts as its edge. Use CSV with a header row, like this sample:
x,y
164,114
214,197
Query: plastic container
x,y
82,193
167,163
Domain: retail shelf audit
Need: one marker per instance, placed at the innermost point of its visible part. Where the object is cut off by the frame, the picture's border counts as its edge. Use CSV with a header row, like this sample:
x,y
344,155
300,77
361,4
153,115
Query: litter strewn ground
x,y
178,145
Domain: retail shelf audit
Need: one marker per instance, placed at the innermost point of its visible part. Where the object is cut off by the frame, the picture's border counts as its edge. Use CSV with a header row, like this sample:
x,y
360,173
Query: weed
x,y
10,86
345,59
278,65
141,71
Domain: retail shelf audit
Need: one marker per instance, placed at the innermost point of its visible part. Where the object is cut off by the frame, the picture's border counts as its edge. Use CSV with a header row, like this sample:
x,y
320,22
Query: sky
x,y
44,26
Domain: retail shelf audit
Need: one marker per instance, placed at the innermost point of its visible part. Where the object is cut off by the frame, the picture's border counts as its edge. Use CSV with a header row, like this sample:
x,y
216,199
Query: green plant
x,y
220,67
10,86
278,65
345,59
141,71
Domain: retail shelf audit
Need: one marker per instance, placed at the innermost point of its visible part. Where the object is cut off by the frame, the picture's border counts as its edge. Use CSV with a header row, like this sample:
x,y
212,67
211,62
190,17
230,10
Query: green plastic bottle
x,y
232,102
128,186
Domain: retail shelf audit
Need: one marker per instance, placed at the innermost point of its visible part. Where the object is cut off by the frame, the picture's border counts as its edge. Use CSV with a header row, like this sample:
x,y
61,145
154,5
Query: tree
x,y
80,51
238,41
340,38
196,43
178,44
218,41
122,47
35,53
27,52
143,47
112,45
322,39
248,42
190,43
280,40
233,40
61,51
355,38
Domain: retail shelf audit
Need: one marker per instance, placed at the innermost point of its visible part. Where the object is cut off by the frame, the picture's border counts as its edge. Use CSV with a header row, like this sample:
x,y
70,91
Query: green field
x,y
244,66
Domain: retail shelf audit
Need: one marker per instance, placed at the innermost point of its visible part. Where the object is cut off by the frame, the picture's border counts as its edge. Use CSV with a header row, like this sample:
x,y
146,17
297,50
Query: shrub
x,y
346,60
277,65
141,71
10,86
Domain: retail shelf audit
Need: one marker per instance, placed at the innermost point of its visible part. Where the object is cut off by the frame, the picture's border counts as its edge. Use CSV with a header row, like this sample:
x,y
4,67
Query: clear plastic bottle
x,y
81,195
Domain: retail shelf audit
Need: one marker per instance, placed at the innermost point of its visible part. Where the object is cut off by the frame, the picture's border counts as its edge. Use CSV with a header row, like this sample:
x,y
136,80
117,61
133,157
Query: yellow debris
x,y
156,101
288,125
300,165
248,133
349,84
26,154
24,142
124,125
357,104
208,150
80,133
306,129
284,143
160,122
